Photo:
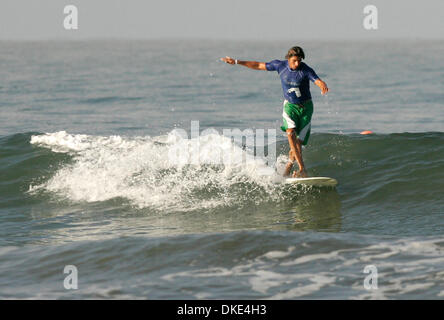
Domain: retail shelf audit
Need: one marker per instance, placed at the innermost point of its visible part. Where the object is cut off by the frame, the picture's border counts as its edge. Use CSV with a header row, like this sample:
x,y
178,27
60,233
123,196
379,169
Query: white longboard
x,y
314,181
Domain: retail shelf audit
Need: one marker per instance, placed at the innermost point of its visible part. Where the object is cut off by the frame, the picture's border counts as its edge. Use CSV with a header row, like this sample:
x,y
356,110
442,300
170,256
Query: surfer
x,y
298,107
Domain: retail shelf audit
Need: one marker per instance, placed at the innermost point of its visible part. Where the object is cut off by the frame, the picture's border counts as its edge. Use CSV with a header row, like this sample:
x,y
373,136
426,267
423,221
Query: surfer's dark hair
x,y
295,52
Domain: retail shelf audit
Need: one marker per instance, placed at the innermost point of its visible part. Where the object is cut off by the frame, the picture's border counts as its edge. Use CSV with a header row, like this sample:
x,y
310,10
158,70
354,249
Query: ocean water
x,y
87,130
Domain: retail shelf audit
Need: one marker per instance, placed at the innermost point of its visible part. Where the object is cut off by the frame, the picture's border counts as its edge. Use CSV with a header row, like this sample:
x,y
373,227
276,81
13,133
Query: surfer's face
x,y
293,62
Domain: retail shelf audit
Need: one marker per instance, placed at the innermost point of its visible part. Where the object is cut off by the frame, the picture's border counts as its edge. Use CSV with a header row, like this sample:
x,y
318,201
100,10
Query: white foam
x,y
142,169
269,275
279,254
318,281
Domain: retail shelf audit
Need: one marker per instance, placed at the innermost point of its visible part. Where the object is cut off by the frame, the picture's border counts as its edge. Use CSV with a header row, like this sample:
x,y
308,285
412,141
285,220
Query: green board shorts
x,y
299,118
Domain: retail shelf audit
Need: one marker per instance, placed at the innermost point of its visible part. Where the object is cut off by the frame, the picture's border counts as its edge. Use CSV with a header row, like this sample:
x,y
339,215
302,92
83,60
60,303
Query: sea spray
x,y
140,170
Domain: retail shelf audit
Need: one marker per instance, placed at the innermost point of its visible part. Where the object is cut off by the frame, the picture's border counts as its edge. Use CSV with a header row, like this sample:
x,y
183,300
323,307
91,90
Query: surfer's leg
x,y
295,154
288,166
292,153
303,133
301,173
290,115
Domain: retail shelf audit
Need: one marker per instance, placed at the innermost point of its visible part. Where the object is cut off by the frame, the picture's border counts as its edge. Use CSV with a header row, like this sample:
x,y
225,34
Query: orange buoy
x,y
367,132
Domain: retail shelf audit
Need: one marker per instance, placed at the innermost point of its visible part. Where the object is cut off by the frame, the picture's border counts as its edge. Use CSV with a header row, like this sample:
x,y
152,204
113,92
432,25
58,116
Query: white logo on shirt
x,y
295,90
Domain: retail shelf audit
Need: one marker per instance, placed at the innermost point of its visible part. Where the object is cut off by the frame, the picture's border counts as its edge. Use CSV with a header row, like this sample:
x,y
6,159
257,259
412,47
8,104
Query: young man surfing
x,y
298,107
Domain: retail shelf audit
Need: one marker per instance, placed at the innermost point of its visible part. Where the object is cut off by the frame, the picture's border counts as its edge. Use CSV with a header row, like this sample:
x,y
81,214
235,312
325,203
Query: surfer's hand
x,y
324,90
321,84
228,60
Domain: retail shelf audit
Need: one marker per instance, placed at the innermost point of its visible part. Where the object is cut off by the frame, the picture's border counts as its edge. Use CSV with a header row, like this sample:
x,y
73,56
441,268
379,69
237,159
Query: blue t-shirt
x,y
295,83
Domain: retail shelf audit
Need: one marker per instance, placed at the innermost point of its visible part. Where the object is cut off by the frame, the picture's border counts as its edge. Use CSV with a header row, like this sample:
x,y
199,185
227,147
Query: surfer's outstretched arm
x,y
249,64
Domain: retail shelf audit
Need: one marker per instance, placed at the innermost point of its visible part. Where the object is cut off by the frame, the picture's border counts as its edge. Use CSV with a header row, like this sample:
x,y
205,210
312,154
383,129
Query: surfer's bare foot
x,y
300,174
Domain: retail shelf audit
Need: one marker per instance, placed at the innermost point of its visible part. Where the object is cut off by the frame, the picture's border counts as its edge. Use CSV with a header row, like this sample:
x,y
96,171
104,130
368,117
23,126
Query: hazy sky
x,y
224,19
